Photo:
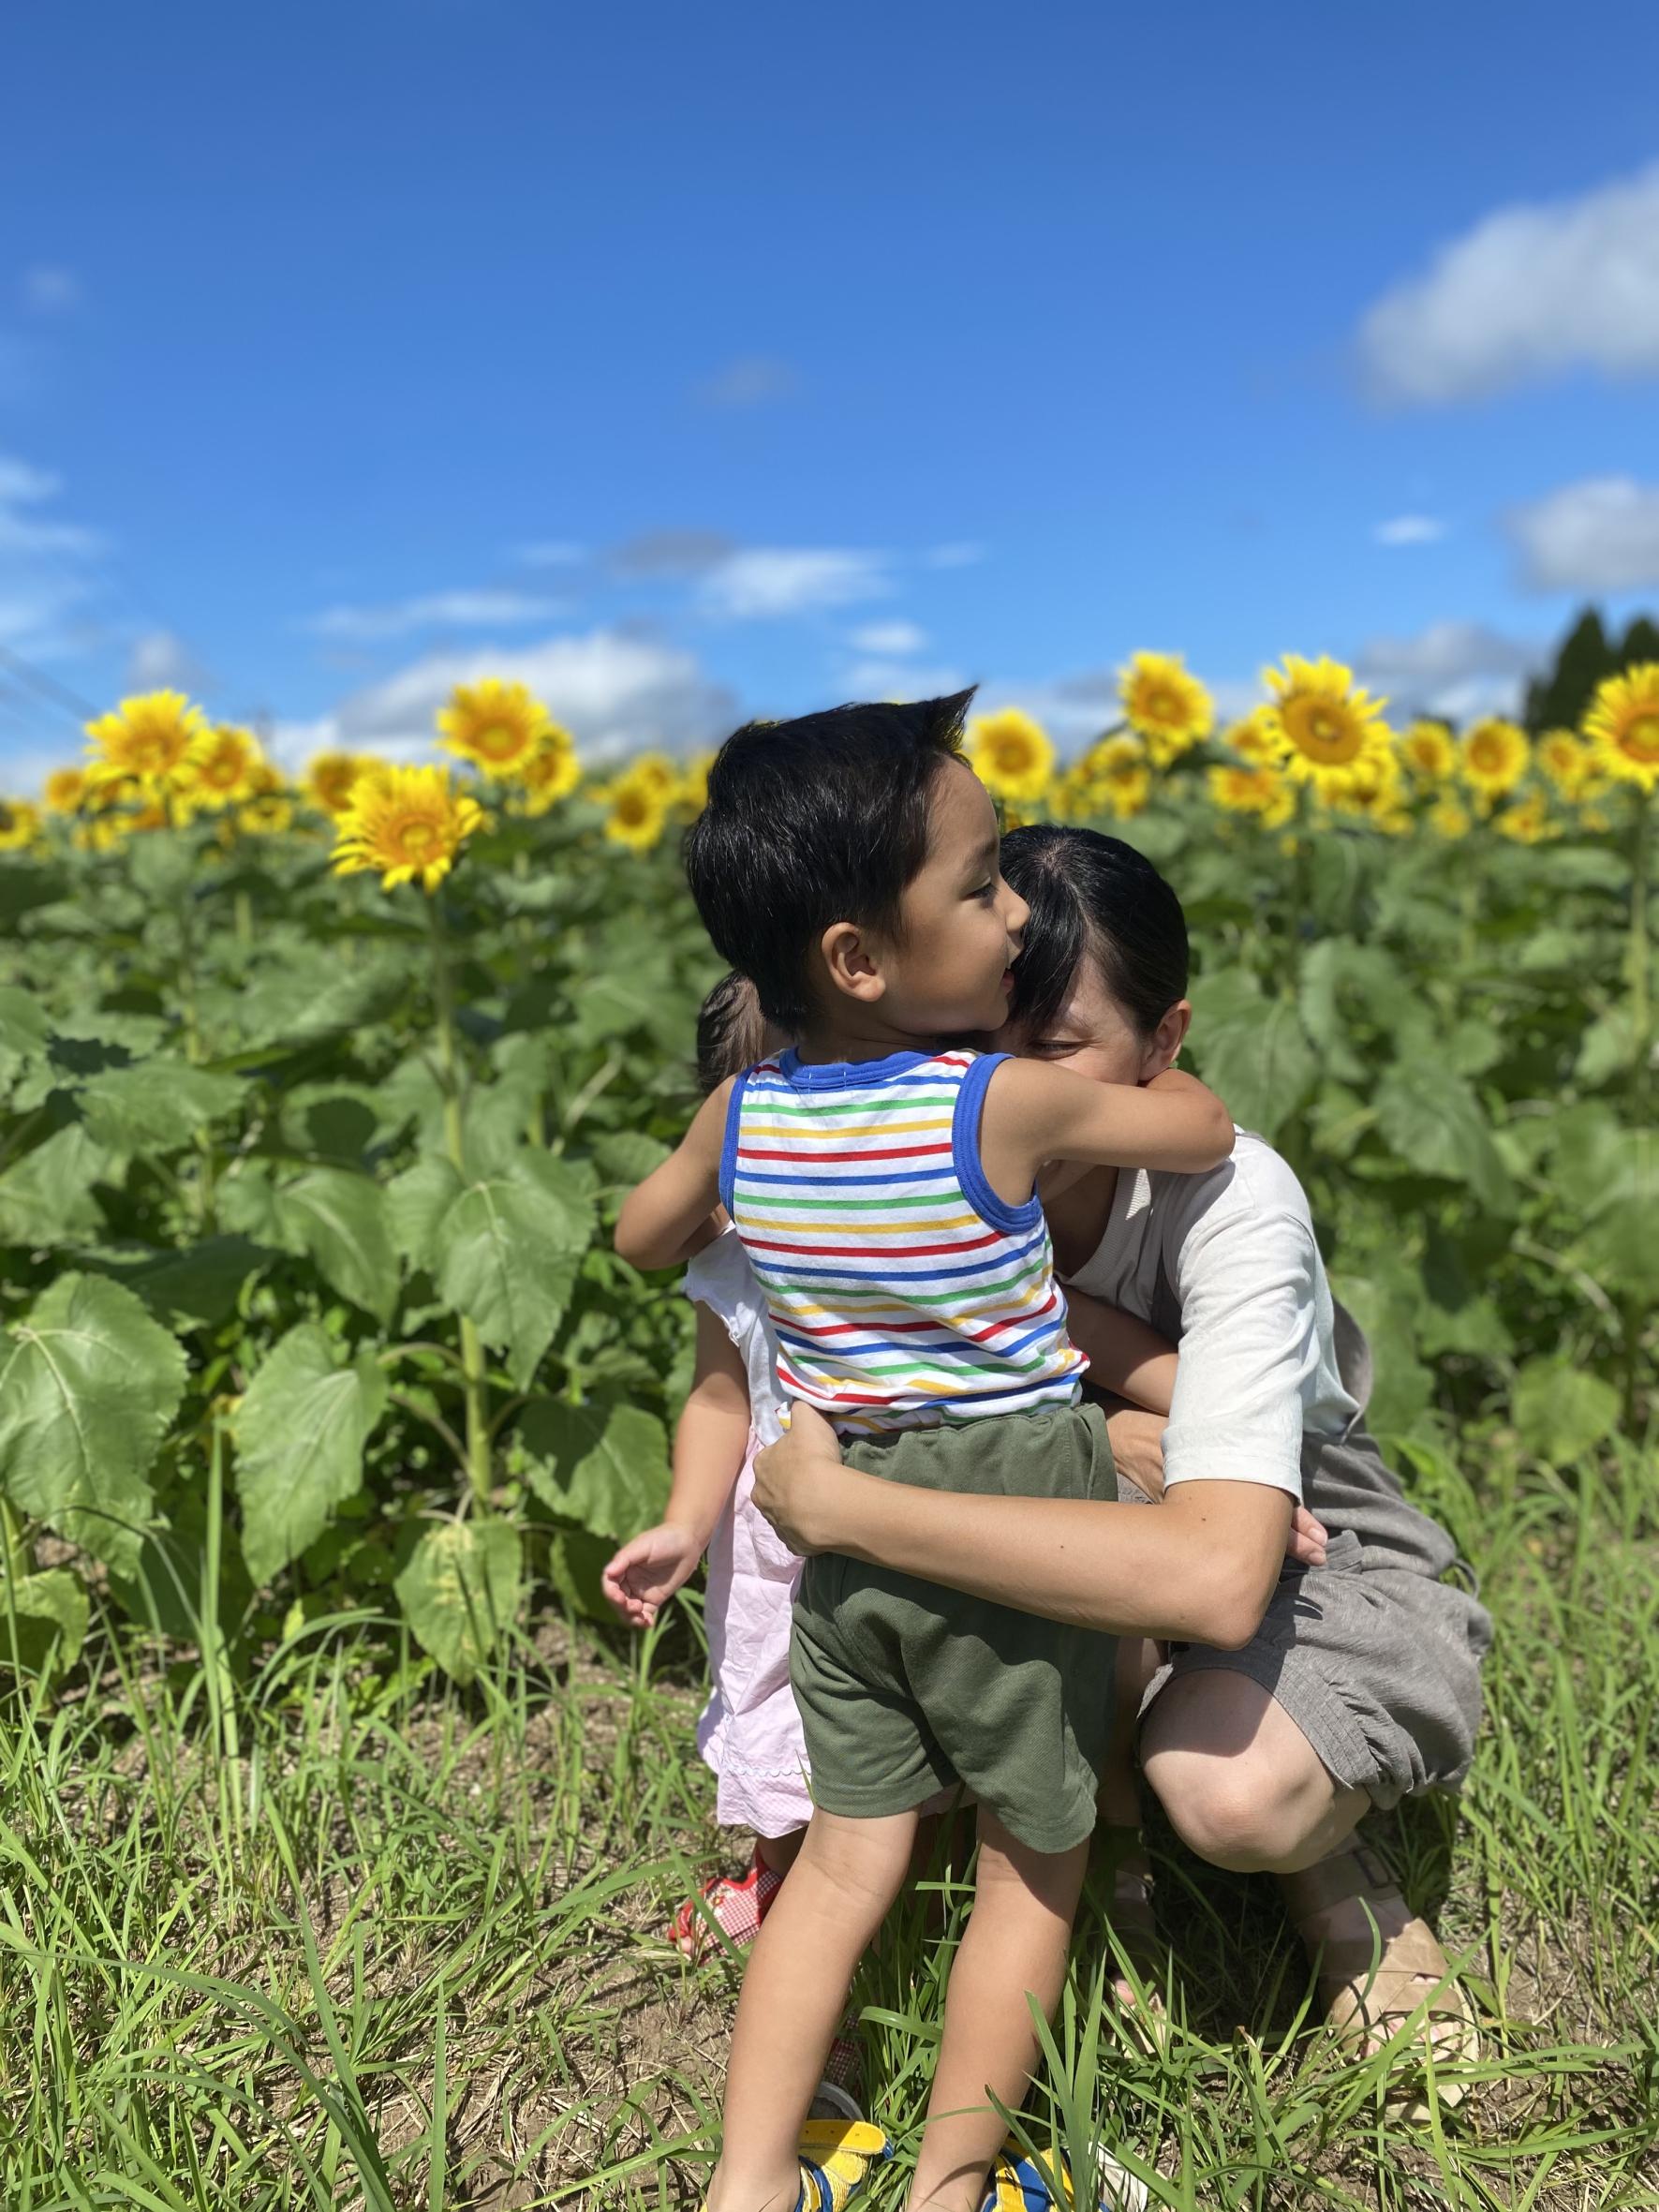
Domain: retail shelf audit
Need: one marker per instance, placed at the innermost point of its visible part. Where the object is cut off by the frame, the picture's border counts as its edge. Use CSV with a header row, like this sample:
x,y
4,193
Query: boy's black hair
x,y
1092,897
731,1032
819,819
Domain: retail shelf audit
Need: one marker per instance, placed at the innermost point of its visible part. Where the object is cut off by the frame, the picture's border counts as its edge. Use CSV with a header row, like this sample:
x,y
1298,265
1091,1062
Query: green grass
x,y
336,1936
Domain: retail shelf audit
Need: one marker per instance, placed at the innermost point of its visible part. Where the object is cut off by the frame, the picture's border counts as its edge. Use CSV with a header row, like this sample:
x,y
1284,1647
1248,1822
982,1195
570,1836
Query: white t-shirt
x,y
1258,1367
720,1278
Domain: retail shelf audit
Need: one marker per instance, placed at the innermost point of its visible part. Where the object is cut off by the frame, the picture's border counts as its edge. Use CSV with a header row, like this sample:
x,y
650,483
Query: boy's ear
x,y
850,963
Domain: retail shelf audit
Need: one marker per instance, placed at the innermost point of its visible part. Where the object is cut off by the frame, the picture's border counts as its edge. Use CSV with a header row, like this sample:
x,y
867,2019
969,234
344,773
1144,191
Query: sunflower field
x,y
318,1099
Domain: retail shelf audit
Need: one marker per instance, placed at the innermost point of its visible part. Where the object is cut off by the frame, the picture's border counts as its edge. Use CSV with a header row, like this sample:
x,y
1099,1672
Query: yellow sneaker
x,y
1021,2183
837,2157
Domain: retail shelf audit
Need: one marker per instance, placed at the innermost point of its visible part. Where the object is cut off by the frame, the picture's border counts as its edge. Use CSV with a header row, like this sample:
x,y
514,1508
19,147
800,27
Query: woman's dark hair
x,y
1092,897
731,1032
819,819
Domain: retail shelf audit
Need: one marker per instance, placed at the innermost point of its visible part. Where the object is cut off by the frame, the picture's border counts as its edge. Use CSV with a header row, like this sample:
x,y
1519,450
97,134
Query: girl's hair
x,y
1092,897
731,1032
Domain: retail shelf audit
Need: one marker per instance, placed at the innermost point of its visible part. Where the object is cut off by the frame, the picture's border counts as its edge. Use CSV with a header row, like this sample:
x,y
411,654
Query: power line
x,y
71,703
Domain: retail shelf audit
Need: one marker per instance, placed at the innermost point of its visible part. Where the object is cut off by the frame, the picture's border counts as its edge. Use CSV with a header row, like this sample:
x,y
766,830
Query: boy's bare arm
x,y
665,1218
1034,1113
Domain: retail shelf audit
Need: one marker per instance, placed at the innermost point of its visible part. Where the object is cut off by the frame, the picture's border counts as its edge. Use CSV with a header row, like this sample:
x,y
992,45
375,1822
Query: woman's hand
x,y
796,1479
1137,1451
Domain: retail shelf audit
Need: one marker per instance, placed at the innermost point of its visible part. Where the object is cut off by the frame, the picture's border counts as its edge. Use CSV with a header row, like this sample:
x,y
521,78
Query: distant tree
x,y
1585,657
1640,641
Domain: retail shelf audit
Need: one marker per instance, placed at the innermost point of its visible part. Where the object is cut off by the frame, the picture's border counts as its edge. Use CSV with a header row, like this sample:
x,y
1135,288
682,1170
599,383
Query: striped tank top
x,y
903,1291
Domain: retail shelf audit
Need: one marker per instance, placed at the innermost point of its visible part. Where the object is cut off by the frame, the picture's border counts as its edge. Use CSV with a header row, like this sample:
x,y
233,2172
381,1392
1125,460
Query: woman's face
x,y
1094,1035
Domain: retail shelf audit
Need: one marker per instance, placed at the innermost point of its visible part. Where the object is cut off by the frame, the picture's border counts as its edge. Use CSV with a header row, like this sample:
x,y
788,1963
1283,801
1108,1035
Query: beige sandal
x,y
1378,1965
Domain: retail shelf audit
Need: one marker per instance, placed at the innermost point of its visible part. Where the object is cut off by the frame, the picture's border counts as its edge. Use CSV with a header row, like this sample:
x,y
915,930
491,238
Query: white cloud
x,y
21,484
673,554
439,610
1410,529
901,679
160,661
763,581
50,290
890,637
753,380
618,692
552,553
1531,291
1455,669
1601,534
45,582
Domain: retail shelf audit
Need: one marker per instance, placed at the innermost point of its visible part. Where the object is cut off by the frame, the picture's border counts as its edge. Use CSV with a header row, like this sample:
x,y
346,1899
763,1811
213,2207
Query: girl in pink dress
x,y
749,1732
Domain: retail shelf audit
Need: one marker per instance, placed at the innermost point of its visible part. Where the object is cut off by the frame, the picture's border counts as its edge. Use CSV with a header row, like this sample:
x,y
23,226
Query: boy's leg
x,y
1015,1941
837,1896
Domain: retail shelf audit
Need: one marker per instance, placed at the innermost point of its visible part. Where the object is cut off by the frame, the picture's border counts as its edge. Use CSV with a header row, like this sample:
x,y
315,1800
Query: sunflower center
x,y
1487,753
1641,739
1323,731
416,836
499,741
631,808
1012,753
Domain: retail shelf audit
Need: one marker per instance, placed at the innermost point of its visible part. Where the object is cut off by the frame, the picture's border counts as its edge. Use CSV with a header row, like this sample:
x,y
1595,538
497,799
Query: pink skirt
x,y
749,1731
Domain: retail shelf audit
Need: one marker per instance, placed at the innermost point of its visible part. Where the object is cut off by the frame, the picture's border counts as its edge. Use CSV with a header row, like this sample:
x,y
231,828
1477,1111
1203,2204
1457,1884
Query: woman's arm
x,y
1199,1570
1126,1355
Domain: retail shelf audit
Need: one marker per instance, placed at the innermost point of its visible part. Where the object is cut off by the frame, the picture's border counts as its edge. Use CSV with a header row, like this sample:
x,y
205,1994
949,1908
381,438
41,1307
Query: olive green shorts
x,y
906,1687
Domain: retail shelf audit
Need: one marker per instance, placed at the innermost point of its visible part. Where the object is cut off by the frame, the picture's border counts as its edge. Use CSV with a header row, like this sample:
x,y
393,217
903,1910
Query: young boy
x,y
884,1186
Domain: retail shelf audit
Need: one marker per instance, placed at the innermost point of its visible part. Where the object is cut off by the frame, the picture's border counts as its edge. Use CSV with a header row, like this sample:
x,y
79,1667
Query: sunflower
x,y
552,773
637,811
1493,757
1328,728
657,770
266,815
1448,819
693,790
330,778
1566,760
1622,725
1252,790
1371,789
1113,777
1253,739
148,738
1170,709
1012,756
20,824
496,726
1429,751
65,790
405,822
221,768
99,835
1527,822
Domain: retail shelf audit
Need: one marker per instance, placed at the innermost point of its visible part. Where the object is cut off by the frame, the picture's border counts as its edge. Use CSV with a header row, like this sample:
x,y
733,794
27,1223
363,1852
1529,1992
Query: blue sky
x,y
704,362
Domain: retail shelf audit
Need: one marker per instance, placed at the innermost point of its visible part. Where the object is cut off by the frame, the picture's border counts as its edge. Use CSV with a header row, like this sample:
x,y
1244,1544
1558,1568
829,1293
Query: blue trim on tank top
x,y
728,1144
996,1213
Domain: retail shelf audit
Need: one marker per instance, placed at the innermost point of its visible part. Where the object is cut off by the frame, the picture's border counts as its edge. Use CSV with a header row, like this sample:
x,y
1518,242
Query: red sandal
x,y
737,1907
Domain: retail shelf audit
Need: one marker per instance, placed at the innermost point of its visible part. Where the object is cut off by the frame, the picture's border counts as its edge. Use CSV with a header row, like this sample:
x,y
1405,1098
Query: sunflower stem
x,y
1640,1000
244,910
195,1052
1634,1305
474,1386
